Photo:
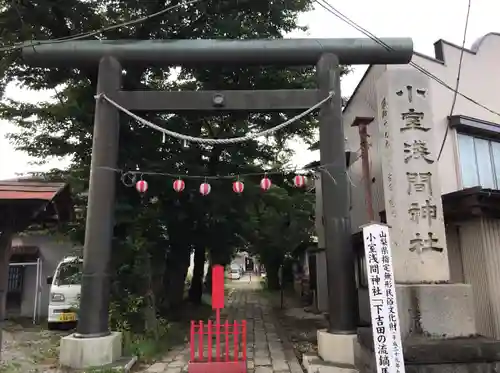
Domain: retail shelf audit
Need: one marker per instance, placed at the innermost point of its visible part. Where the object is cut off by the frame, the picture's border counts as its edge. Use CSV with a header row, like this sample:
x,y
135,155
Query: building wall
x,y
479,79
239,259
51,252
455,254
364,105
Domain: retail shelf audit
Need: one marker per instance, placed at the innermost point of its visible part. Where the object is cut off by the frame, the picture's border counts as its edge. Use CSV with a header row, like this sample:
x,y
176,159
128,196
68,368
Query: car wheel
x,y
53,325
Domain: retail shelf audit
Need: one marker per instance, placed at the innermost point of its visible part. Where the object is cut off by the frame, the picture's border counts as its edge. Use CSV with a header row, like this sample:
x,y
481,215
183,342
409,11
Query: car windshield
x,y
70,273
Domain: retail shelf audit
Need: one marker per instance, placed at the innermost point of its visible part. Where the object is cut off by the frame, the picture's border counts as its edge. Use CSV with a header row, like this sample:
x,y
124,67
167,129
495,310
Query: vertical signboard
x,y
383,304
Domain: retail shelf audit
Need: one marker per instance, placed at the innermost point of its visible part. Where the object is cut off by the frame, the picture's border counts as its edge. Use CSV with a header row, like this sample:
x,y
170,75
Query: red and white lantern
x,y
179,185
205,189
238,187
299,181
265,183
141,186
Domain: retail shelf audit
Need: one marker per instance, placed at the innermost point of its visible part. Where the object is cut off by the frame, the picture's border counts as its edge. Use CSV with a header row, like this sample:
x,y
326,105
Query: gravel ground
x,y
299,325
29,348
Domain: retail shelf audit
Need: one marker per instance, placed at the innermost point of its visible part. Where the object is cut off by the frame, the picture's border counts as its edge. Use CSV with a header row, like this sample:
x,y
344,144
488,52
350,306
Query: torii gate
x,y
326,54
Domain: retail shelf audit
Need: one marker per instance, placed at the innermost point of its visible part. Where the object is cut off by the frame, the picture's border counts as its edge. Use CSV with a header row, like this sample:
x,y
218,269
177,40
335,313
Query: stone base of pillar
x,y
438,331
430,355
335,354
436,310
102,352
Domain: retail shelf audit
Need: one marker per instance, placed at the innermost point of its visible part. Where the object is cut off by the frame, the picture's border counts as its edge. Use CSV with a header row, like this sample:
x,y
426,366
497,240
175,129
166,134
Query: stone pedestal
x,y
83,353
437,311
335,354
428,355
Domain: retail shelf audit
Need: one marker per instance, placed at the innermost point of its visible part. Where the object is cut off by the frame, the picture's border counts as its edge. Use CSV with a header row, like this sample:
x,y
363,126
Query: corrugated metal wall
x,y
454,254
490,229
475,265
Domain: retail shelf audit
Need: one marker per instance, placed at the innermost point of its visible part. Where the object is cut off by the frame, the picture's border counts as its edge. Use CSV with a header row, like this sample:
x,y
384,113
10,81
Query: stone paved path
x,y
268,351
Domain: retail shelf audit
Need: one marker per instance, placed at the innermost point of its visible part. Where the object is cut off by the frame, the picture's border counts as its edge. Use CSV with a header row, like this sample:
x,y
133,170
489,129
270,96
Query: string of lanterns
x,y
129,179
299,181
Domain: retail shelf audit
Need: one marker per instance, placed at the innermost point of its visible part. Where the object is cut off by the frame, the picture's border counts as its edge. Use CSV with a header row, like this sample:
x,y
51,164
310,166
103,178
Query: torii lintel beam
x,y
286,52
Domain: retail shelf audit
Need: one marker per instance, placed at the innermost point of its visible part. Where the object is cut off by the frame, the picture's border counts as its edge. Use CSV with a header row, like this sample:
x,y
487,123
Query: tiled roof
x,y
29,190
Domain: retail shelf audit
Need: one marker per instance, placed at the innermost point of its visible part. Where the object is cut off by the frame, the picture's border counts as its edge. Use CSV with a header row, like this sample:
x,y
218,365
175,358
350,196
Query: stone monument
x,y
436,317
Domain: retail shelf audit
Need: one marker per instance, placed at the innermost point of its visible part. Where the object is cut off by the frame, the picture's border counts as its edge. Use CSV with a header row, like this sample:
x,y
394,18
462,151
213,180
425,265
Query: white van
x,y
65,287
235,272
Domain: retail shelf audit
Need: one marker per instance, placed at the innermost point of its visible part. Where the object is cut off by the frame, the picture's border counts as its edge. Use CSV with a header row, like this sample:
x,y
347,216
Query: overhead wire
x,y
455,95
331,9
84,35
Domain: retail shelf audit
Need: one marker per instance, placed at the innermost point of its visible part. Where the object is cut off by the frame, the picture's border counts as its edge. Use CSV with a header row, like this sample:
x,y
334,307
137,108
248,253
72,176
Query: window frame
x,y
493,161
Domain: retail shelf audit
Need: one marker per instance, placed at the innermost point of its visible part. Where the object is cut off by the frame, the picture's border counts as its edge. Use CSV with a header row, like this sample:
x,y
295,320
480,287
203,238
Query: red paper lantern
x,y
141,186
205,189
299,181
179,185
238,187
265,183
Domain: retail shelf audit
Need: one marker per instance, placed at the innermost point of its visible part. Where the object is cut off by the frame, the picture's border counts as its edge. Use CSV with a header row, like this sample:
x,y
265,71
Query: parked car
x,y
65,288
235,273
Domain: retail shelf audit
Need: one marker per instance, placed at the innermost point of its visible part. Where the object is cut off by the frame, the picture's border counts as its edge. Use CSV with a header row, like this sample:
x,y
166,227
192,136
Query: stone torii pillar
x,y
112,56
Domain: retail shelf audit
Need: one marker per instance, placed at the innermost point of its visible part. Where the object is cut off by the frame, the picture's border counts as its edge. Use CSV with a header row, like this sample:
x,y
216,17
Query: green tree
x,y
155,237
280,223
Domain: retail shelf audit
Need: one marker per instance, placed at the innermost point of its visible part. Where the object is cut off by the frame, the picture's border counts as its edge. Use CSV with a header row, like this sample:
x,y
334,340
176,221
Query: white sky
x,y
426,21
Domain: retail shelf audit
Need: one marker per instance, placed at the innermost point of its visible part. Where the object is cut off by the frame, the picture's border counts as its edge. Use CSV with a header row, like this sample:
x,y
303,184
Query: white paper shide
x,y
383,304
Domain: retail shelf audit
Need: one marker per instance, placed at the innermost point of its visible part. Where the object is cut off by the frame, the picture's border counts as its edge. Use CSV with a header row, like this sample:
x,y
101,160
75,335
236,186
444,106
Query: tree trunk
x,y
196,288
149,310
175,277
272,270
5,251
207,286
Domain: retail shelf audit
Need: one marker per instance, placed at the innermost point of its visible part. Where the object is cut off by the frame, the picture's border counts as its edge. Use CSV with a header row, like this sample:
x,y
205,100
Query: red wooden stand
x,y
232,358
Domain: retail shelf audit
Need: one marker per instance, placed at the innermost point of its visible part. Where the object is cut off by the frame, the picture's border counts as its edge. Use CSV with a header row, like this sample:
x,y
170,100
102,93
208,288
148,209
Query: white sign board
x,y
383,305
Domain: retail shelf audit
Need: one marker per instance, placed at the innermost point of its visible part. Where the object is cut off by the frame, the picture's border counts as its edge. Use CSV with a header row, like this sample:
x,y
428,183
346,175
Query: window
x,y
479,162
15,281
70,273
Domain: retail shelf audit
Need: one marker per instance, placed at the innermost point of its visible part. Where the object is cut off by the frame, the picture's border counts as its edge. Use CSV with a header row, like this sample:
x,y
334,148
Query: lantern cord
x,y
201,140
127,176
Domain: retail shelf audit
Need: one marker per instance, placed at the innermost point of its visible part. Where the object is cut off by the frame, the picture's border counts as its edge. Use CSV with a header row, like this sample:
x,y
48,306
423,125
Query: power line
x,y
331,9
84,35
458,79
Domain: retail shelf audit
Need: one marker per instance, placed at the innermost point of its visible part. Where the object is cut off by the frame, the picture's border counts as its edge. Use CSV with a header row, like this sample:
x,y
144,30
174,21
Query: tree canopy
x,y
154,238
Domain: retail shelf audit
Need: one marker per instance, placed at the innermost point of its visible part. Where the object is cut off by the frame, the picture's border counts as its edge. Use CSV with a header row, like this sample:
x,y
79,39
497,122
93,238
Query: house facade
x,y
468,169
34,258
